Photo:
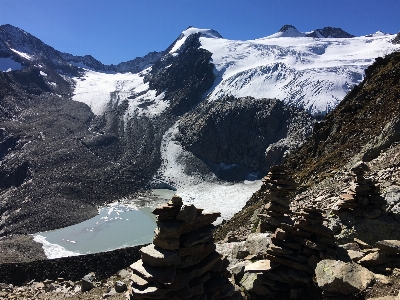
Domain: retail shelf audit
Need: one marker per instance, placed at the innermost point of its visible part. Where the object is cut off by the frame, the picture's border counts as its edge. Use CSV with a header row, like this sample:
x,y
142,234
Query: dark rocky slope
x,y
59,161
49,176
237,132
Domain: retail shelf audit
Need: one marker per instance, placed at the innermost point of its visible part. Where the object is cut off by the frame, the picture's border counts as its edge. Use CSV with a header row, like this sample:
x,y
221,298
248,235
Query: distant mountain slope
x,y
313,73
363,124
27,50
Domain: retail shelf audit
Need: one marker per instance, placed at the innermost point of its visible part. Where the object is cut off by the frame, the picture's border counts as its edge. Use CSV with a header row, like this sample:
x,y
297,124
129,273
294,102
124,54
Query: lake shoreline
x,y
24,249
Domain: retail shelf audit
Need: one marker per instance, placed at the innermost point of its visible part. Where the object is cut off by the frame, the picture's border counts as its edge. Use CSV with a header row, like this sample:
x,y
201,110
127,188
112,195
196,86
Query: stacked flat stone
x,y
294,252
362,198
276,211
181,263
302,246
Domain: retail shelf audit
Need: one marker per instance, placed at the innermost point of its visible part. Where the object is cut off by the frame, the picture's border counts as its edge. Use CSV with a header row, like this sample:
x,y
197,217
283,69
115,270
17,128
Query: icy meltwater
x,y
117,225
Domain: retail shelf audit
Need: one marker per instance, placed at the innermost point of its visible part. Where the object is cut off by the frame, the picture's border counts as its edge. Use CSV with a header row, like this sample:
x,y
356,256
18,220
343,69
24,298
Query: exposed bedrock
x,y
235,137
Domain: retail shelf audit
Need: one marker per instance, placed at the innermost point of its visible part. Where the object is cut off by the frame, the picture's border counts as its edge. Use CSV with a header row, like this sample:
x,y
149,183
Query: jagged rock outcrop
x,y
396,40
329,32
182,262
183,78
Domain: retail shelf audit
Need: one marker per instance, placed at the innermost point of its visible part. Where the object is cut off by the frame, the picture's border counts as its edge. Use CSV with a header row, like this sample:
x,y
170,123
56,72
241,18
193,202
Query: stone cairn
x,y
276,211
297,244
363,198
300,247
181,263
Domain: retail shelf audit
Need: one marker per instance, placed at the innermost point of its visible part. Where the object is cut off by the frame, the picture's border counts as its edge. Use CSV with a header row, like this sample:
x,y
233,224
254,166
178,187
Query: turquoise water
x,y
117,225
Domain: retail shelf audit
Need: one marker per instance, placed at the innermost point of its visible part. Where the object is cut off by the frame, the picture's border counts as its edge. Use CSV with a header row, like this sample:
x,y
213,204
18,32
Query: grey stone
x,y
237,270
124,273
111,293
161,274
392,197
187,213
120,286
87,282
343,278
373,259
168,244
257,243
355,255
251,283
231,250
390,247
198,236
158,257
260,266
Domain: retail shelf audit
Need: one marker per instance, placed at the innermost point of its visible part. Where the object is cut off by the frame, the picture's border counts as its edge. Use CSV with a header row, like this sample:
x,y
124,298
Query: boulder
x,y
87,282
258,243
120,286
373,259
343,278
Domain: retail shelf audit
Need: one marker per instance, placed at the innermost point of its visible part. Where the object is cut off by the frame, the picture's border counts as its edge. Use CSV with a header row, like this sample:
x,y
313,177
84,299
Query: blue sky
x,y
113,31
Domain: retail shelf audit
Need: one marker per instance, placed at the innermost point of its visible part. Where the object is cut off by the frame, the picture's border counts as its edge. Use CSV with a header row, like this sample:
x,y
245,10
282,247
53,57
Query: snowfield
x,y
98,90
312,73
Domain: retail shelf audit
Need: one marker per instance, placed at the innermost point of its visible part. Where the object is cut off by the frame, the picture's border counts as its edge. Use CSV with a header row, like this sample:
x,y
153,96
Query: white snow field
x,y
312,73
98,90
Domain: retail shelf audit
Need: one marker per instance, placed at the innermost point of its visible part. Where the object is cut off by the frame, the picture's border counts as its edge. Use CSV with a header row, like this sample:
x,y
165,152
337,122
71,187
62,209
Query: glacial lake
x,y
118,225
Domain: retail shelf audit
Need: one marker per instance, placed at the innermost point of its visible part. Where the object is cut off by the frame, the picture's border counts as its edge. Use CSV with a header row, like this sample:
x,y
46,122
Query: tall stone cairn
x,y
181,263
294,252
279,186
363,196
299,240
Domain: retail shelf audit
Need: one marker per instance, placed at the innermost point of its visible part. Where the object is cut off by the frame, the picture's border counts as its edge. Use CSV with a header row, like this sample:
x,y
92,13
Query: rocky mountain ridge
x,y
26,49
326,32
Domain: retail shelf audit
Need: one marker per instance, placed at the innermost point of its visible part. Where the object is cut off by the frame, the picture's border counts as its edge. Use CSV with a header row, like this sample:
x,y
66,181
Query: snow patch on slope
x,y
212,195
98,90
22,54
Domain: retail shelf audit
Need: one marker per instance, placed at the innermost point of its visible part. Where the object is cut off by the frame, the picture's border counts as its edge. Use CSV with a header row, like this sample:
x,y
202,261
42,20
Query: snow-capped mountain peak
x,y
207,33
287,31
378,33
